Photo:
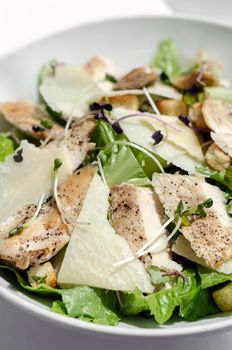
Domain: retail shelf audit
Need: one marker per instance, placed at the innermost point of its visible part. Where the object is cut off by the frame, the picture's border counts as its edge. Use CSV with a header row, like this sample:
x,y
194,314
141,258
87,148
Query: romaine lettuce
x,y
167,59
6,147
210,277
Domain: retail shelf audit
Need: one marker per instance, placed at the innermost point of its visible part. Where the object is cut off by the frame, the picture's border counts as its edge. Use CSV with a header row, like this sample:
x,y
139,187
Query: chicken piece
x,y
42,274
47,234
187,81
136,215
172,107
129,102
223,141
217,115
196,117
216,158
99,66
210,237
136,79
26,116
77,140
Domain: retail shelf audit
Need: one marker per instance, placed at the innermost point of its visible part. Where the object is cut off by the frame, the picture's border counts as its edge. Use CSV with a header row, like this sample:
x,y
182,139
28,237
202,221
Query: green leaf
x,y
6,147
133,303
198,306
158,276
223,177
210,277
229,207
119,162
167,59
111,78
59,307
44,71
123,167
92,304
95,304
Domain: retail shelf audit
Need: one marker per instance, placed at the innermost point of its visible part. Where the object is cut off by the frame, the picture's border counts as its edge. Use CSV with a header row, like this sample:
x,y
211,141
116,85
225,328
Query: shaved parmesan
x,y
178,149
183,248
158,89
94,249
23,183
70,90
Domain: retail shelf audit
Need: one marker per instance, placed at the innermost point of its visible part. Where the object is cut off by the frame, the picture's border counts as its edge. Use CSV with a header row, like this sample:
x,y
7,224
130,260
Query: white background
x,y
21,22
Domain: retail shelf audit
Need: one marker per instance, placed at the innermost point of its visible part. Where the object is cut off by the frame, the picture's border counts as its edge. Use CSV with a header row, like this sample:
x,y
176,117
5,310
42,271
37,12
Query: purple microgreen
x,y
185,119
18,158
116,126
157,136
100,108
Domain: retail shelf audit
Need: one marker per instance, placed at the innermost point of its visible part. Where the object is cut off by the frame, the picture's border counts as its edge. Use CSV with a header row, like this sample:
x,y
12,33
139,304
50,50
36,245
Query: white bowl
x,y
129,42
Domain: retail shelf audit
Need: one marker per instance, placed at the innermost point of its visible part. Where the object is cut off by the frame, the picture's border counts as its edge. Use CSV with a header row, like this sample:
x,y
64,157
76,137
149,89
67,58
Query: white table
x,y
20,23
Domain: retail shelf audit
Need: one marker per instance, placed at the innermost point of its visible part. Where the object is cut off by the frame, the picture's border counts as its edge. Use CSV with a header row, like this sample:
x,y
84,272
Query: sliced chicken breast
x,y
47,234
136,215
26,116
210,237
77,140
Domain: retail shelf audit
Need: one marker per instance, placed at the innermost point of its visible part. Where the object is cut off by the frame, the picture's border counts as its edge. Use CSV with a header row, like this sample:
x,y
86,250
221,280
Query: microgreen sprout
x,y
57,164
47,123
18,229
111,78
38,128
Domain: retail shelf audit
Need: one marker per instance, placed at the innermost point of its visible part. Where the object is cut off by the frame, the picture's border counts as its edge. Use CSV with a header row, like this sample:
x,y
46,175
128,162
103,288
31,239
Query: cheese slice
x,y
140,129
183,248
24,183
70,90
95,248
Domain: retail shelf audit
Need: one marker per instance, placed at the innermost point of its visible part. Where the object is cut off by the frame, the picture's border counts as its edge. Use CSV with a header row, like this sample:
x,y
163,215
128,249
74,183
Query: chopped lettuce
x,y
119,162
223,177
210,277
6,147
158,276
167,59
133,303
92,304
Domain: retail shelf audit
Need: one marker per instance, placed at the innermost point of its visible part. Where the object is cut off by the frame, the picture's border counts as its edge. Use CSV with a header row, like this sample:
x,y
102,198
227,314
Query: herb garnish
x,y
111,78
57,164
197,210
157,136
47,123
18,158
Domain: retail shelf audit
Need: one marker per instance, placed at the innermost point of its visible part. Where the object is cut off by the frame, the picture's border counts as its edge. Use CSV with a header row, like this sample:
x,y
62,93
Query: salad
x,y
116,189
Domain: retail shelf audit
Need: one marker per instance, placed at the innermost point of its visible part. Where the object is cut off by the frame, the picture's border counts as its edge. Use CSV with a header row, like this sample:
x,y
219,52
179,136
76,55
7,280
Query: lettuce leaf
x,y
119,162
210,277
223,177
133,303
92,304
167,59
193,302
6,147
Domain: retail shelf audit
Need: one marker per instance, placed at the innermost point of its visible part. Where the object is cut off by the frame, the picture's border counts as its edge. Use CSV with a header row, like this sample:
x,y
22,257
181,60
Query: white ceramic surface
x,y
212,8
129,42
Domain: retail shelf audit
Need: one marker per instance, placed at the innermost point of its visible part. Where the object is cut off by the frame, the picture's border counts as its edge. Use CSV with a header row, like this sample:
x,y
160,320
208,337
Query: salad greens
x,y
147,216
167,59
6,147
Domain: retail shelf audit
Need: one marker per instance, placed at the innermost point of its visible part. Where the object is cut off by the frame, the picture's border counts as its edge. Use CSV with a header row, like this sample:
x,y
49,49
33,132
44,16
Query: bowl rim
x,y
46,314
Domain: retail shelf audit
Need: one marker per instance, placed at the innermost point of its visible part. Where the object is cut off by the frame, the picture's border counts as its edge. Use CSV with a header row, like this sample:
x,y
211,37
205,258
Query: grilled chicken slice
x,y
47,234
136,215
136,79
210,237
77,140
26,116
